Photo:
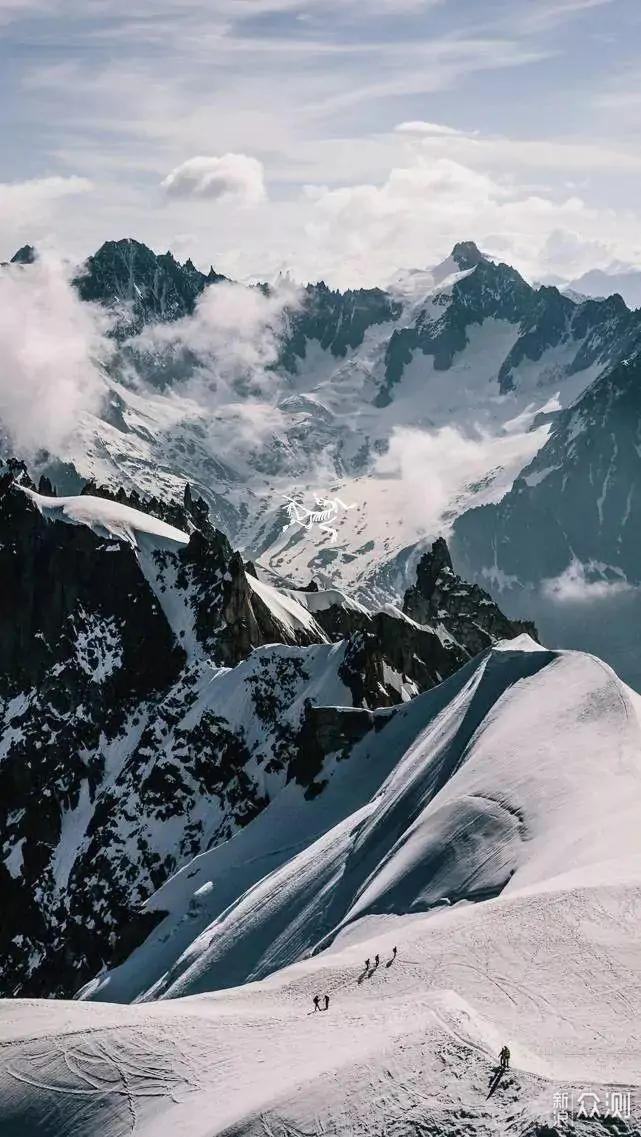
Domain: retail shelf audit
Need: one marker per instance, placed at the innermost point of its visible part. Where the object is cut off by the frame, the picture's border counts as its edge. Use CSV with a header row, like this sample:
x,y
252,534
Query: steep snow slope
x,y
501,855
478,802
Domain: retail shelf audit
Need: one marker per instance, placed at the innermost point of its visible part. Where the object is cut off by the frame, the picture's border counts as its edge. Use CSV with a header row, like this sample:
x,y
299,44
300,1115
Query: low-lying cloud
x,y
54,347
235,332
230,344
574,585
445,471
228,178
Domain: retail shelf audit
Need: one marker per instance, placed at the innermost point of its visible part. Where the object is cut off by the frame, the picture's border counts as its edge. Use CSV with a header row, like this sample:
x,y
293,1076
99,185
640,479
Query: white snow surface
x,y
326,598
285,607
107,518
490,831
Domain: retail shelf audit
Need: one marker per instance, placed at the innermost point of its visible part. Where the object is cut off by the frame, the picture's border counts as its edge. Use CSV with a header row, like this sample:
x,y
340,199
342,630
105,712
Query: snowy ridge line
x,y
286,607
483,785
412,763
106,518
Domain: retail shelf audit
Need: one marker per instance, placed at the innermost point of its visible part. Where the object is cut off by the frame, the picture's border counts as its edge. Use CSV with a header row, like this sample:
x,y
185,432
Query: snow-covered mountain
x,y
563,544
479,847
155,695
412,404
599,282
256,728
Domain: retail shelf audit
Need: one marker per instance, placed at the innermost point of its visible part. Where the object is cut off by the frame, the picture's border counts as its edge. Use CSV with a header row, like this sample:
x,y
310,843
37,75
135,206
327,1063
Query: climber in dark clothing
x,y
377,960
326,1002
367,964
504,1058
393,953
316,1002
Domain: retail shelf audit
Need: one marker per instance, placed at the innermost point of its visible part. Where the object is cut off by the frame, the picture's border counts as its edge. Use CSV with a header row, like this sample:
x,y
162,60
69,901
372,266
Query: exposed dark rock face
x,y
142,286
83,642
336,320
329,730
61,582
464,611
580,497
392,659
25,256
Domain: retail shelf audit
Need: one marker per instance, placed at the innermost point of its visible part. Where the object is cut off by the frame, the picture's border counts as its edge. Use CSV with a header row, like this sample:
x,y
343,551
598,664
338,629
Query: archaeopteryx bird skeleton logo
x,y
326,511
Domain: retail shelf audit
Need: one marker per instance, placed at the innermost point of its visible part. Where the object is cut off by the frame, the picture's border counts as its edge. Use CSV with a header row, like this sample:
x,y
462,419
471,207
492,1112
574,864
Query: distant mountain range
x,y
531,380
597,282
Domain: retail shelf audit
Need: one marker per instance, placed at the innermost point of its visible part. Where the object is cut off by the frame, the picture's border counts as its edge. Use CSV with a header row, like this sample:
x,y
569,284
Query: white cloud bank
x,y
235,331
574,585
420,127
439,469
230,177
233,339
53,348
415,215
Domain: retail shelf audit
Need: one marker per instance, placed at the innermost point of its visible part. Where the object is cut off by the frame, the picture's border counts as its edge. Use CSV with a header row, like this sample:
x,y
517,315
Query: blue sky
x,y
337,139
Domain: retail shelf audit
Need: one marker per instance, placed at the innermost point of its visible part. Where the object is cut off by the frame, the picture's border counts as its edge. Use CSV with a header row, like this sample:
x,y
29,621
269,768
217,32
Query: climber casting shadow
x,y
390,961
495,1078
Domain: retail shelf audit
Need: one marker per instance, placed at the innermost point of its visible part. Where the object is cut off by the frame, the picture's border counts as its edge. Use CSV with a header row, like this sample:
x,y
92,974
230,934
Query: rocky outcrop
x,y
465,612
337,321
78,597
594,331
140,285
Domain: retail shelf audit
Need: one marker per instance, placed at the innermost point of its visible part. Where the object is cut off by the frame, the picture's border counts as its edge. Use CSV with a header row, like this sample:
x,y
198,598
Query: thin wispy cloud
x,y
544,15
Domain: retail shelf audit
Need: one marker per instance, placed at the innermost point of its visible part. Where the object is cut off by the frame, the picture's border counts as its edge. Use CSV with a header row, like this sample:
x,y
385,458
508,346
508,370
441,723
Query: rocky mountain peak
x,y
467,255
464,610
432,566
141,285
24,256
